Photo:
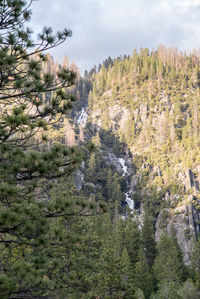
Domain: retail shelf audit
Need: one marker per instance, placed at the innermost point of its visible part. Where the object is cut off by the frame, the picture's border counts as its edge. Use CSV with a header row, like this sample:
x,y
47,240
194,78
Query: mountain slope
x,y
150,103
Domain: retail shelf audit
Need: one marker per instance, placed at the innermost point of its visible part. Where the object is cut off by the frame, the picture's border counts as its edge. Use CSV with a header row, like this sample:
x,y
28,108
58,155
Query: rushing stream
x,y
124,167
128,199
82,119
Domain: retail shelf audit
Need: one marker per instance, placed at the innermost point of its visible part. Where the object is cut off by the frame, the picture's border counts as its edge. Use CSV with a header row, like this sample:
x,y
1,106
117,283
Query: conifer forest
x,y
99,173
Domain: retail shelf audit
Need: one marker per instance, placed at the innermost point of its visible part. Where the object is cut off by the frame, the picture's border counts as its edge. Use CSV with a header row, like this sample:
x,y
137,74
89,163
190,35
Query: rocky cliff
x,y
149,118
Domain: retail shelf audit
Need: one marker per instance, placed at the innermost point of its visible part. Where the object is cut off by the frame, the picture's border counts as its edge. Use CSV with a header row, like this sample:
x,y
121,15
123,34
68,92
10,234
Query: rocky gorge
x,y
154,128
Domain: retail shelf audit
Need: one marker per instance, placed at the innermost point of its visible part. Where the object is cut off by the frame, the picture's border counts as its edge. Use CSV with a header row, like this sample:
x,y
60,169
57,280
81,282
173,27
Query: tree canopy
x,y
33,215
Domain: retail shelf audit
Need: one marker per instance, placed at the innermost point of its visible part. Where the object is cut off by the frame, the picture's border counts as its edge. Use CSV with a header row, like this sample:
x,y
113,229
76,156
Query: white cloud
x,y
113,27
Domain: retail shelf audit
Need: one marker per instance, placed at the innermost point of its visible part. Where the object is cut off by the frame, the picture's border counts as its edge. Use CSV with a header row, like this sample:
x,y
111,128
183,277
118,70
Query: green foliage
x,y
143,277
148,239
47,250
167,290
169,267
159,90
188,290
35,245
132,239
164,81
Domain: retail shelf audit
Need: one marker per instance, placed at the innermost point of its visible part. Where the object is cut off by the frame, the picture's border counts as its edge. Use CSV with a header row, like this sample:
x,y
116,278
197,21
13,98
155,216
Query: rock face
x,y
118,116
144,111
150,130
134,181
181,218
182,221
122,165
111,159
189,179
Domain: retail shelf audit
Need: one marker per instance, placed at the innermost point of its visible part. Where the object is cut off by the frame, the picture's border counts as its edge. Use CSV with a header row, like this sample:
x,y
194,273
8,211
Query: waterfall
x,y
128,199
124,167
130,202
82,119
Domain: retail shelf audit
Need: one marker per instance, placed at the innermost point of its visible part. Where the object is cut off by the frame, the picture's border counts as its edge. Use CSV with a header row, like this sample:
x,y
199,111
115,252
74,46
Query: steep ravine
x,y
179,213
122,164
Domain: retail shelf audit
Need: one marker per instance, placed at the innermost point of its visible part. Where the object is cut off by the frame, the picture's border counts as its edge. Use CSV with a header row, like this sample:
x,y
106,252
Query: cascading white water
x,y
128,199
124,167
130,202
82,119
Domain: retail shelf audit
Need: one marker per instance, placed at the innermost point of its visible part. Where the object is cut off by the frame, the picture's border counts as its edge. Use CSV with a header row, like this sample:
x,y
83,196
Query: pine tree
x,y
120,240
169,265
109,278
90,173
109,185
83,259
148,239
166,291
132,239
143,278
139,294
126,271
32,222
188,290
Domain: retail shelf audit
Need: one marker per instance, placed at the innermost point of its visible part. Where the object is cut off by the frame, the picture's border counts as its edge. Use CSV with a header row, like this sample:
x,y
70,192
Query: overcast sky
x,y
103,28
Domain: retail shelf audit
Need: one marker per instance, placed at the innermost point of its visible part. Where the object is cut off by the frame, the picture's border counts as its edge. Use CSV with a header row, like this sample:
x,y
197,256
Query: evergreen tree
x,y
120,237
169,267
143,278
148,239
109,185
126,271
188,290
166,291
139,294
32,223
109,278
83,259
91,171
132,239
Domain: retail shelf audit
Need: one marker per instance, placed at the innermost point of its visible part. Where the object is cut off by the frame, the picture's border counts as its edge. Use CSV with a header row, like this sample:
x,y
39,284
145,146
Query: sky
x,y
103,28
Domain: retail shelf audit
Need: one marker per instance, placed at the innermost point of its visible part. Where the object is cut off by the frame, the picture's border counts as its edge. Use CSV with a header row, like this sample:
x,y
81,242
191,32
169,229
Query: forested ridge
x,y
99,174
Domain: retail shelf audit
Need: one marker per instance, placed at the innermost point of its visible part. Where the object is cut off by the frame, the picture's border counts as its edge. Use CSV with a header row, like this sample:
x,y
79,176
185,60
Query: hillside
x,y
150,102
142,114
107,187
99,174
